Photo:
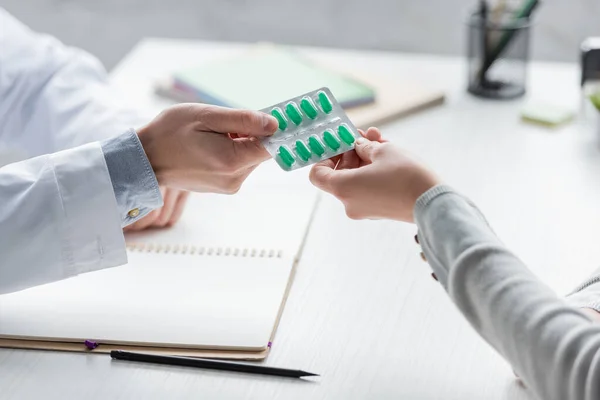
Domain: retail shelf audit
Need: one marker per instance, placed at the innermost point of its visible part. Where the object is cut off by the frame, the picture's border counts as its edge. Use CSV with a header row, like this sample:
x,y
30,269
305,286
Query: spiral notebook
x,y
213,286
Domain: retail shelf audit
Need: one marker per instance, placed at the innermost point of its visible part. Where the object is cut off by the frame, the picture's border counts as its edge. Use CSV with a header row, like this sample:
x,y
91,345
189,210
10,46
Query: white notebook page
x,y
159,299
203,301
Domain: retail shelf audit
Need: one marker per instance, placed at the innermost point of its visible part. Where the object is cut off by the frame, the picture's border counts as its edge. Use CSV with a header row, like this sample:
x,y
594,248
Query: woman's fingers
x,y
349,160
374,135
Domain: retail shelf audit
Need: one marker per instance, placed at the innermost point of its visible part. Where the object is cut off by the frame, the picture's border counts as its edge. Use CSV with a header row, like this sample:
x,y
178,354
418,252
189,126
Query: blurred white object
x,y
11,156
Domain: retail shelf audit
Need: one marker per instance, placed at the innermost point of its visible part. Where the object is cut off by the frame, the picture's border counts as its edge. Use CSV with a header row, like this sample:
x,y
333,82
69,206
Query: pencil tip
x,y
304,373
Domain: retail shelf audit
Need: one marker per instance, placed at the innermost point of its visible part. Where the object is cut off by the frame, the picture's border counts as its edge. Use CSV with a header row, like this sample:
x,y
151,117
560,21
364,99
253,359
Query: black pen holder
x,y
498,53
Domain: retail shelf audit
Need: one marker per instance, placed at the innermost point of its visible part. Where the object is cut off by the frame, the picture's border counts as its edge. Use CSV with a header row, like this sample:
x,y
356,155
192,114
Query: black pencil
x,y
208,364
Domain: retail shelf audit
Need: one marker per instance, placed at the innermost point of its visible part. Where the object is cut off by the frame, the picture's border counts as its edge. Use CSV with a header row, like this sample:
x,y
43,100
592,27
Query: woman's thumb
x,y
366,149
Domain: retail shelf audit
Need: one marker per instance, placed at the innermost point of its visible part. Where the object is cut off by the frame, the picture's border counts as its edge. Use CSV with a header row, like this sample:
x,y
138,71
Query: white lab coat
x,y
58,213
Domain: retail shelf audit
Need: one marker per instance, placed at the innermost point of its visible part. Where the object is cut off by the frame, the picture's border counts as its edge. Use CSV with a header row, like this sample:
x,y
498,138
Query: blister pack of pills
x,y
312,127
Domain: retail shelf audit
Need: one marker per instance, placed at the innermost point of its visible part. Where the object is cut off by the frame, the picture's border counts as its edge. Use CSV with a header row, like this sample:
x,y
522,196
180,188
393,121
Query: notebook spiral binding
x,y
203,251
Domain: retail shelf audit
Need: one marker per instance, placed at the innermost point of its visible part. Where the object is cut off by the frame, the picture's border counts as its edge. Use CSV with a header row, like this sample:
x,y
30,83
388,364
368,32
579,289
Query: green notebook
x,y
261,78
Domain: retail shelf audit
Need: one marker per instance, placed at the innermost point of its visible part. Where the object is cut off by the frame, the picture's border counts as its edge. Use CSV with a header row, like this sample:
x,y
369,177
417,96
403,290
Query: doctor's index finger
x,y
230,120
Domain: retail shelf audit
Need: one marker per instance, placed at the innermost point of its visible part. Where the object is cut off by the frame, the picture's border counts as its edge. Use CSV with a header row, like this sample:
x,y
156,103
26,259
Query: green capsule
x,y
294,113
316,146
331,140
277,113
286,156
302,150
345,134
308,107
325,102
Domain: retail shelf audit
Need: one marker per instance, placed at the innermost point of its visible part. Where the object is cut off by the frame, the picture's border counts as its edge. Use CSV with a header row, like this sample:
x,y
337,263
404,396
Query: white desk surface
x,y
369,318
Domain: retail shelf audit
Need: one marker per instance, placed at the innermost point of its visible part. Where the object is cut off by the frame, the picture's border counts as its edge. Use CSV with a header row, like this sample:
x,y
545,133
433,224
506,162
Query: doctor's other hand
x,y
205,148
375,181
166,216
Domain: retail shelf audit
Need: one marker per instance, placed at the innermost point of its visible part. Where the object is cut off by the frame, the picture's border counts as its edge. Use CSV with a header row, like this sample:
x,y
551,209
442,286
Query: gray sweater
x,y
552,346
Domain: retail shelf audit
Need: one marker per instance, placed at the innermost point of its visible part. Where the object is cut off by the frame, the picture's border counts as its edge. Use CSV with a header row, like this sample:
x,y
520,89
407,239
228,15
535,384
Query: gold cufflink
x,y
134,213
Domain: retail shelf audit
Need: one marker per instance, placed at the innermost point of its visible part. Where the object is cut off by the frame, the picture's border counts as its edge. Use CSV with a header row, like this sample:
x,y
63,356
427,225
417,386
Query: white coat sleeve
x,y
58,218
54,97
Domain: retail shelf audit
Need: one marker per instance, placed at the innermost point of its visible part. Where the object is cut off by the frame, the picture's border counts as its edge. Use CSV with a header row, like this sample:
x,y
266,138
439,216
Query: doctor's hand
x,y
377,180
166,216
206,148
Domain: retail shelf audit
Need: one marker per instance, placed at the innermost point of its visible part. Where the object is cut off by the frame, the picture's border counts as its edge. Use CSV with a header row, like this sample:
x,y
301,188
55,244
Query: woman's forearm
x,y
553,347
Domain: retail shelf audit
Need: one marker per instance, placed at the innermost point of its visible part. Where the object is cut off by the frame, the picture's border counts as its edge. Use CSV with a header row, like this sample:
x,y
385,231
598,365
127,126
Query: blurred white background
x,y
109,28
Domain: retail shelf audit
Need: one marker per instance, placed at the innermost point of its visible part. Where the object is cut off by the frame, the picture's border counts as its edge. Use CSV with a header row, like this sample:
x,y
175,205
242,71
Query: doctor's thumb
x,y
249,151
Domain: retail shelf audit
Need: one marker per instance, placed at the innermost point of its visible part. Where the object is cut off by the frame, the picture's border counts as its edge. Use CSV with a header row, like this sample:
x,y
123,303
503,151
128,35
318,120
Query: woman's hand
x,y
377,180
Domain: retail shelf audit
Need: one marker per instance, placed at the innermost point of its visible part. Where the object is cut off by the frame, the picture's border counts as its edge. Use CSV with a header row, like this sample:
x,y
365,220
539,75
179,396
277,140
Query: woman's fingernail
x,y
360,140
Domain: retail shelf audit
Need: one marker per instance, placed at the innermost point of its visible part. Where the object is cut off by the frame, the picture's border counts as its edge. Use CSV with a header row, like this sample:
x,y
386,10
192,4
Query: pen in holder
x,y
498,52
